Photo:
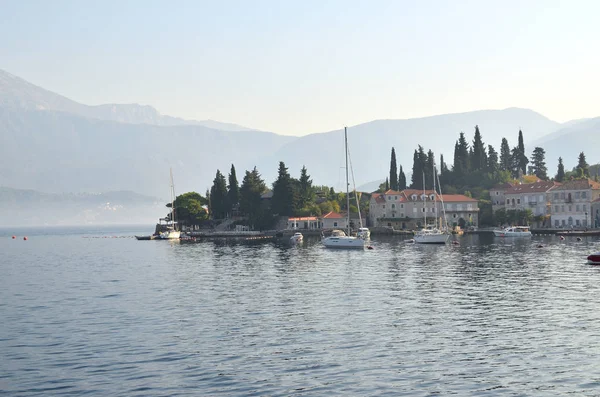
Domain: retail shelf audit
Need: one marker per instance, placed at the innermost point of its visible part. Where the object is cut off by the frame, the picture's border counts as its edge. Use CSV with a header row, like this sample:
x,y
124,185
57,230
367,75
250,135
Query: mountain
x,y
19,94
370,143
31,207
568,142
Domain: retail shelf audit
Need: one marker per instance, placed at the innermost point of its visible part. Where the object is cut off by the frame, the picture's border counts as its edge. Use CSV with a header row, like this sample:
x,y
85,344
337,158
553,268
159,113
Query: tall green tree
x,y
583,165
523,160
189,208
284,193
401,180
479,158
461,157
393,171
515,156
492,160
306,192
429,164
218,197
505,157
253,186
538,161
560,173
419,165
233,188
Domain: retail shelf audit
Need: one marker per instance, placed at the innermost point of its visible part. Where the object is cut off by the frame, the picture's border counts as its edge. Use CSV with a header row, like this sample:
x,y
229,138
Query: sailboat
x,y
431,234
171,233
338,238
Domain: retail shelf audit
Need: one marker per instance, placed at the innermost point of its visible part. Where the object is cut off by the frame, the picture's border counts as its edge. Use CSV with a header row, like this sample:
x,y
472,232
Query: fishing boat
x,y
171,232
339,239
513,231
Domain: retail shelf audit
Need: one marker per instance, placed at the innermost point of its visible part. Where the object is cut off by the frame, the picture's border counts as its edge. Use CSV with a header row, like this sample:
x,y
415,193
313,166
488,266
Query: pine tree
x,y
218,197
419,165
538,161
387,184
560,173
492,161
430,162
251,190
479,158
401,180
284,195
523,160
583,165
306,193
393,171
461,158
233,189
505,156
515,161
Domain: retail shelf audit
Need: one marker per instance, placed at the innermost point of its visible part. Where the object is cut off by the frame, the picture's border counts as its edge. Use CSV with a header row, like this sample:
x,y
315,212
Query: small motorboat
x,y
297,238
594,259
516,231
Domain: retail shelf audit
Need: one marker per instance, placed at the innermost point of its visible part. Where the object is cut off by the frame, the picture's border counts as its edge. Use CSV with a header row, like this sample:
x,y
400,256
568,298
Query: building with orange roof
x,y
334,220
409,208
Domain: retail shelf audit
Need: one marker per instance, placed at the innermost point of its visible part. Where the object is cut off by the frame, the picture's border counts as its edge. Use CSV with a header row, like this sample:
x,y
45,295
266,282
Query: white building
x,y
333,220
497,195
533,196
571,203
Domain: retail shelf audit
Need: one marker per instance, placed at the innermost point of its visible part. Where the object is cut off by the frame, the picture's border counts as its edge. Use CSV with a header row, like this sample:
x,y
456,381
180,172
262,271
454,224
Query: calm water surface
x,y
84,312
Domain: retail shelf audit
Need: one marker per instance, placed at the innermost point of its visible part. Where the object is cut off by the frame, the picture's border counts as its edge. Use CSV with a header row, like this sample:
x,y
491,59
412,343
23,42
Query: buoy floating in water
x,y
579,239
454,242
369,247
14,237
540,246
25,238
562,237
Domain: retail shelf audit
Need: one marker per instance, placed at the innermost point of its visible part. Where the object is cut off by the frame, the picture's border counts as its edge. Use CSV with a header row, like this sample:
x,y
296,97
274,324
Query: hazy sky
x,y
310,66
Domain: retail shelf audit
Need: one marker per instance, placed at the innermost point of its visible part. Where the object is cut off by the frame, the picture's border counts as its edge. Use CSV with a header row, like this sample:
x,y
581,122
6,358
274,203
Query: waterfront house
x,y
497,195
304,223
532,196
409,208
334,220
571,203
595,214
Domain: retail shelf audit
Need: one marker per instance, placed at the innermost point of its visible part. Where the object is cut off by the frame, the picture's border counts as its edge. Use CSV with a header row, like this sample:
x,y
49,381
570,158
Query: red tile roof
x,y
333,215
303,218
453,198
392,192
380,199
502,186
537,187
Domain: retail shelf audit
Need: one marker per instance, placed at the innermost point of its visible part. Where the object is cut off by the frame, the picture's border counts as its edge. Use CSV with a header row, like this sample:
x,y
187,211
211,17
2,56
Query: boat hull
x,y
594,259
344,242
431,238
501,233
170,235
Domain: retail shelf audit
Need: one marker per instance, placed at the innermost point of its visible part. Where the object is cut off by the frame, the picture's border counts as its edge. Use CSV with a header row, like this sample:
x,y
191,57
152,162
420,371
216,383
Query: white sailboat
x,y
363,232
338,238
432,234
171,233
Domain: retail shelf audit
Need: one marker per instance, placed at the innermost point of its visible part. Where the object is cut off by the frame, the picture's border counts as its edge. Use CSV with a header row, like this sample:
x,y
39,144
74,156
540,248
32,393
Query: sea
x,y
92,311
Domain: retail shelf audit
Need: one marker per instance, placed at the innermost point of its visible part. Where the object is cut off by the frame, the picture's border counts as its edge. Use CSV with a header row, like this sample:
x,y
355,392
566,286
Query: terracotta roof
x,y
333,215
537,187
304,218
380,199
392,192
453,198
579,184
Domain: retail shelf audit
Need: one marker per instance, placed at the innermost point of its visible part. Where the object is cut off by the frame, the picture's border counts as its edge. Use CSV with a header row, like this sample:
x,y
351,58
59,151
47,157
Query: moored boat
x,y
364,233
297,238
514,231
594,259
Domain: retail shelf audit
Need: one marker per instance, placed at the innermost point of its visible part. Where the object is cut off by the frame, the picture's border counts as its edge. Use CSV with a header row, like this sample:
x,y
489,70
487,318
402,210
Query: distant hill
x,y
568,142
20,94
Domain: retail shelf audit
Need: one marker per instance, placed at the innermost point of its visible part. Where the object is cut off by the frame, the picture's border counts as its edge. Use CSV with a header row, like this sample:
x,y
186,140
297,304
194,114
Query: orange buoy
x,y
14,237
25,238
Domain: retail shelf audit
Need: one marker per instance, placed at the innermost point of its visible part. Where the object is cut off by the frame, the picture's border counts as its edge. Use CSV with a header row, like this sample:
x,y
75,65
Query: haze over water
x,y
84,314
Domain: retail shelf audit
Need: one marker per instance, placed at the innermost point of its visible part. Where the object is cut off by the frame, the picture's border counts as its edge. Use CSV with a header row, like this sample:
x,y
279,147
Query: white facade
x,y
571,203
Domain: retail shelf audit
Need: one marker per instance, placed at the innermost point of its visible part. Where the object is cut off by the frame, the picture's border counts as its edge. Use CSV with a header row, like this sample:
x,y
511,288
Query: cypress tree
x,y
417,170
479,157
393,171
387,184
429,170
515,160
233,189
560,173
538,161
401,180
253,186
306,194
523,160
284,195
505,156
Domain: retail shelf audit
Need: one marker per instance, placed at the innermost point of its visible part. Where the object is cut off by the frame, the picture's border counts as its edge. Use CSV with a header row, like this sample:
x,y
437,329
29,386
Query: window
x,y
433,210
576,195
583,194
577,222
562,208
562,223
584,209
393,206
556,208
518,201
423,209
414,196
556,197
570,208
432,197
562,195
384,206
390,198
577,208
556,223
541,198
401,205
395,197
497,193
335,224
453,215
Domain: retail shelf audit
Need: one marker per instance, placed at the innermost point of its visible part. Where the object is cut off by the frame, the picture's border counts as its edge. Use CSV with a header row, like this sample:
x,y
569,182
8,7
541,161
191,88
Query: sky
x,y
299,67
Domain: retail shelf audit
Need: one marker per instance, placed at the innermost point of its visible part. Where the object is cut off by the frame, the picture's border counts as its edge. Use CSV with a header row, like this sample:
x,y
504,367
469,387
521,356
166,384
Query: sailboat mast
x,y
172,199
424,209
435,198
347,182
